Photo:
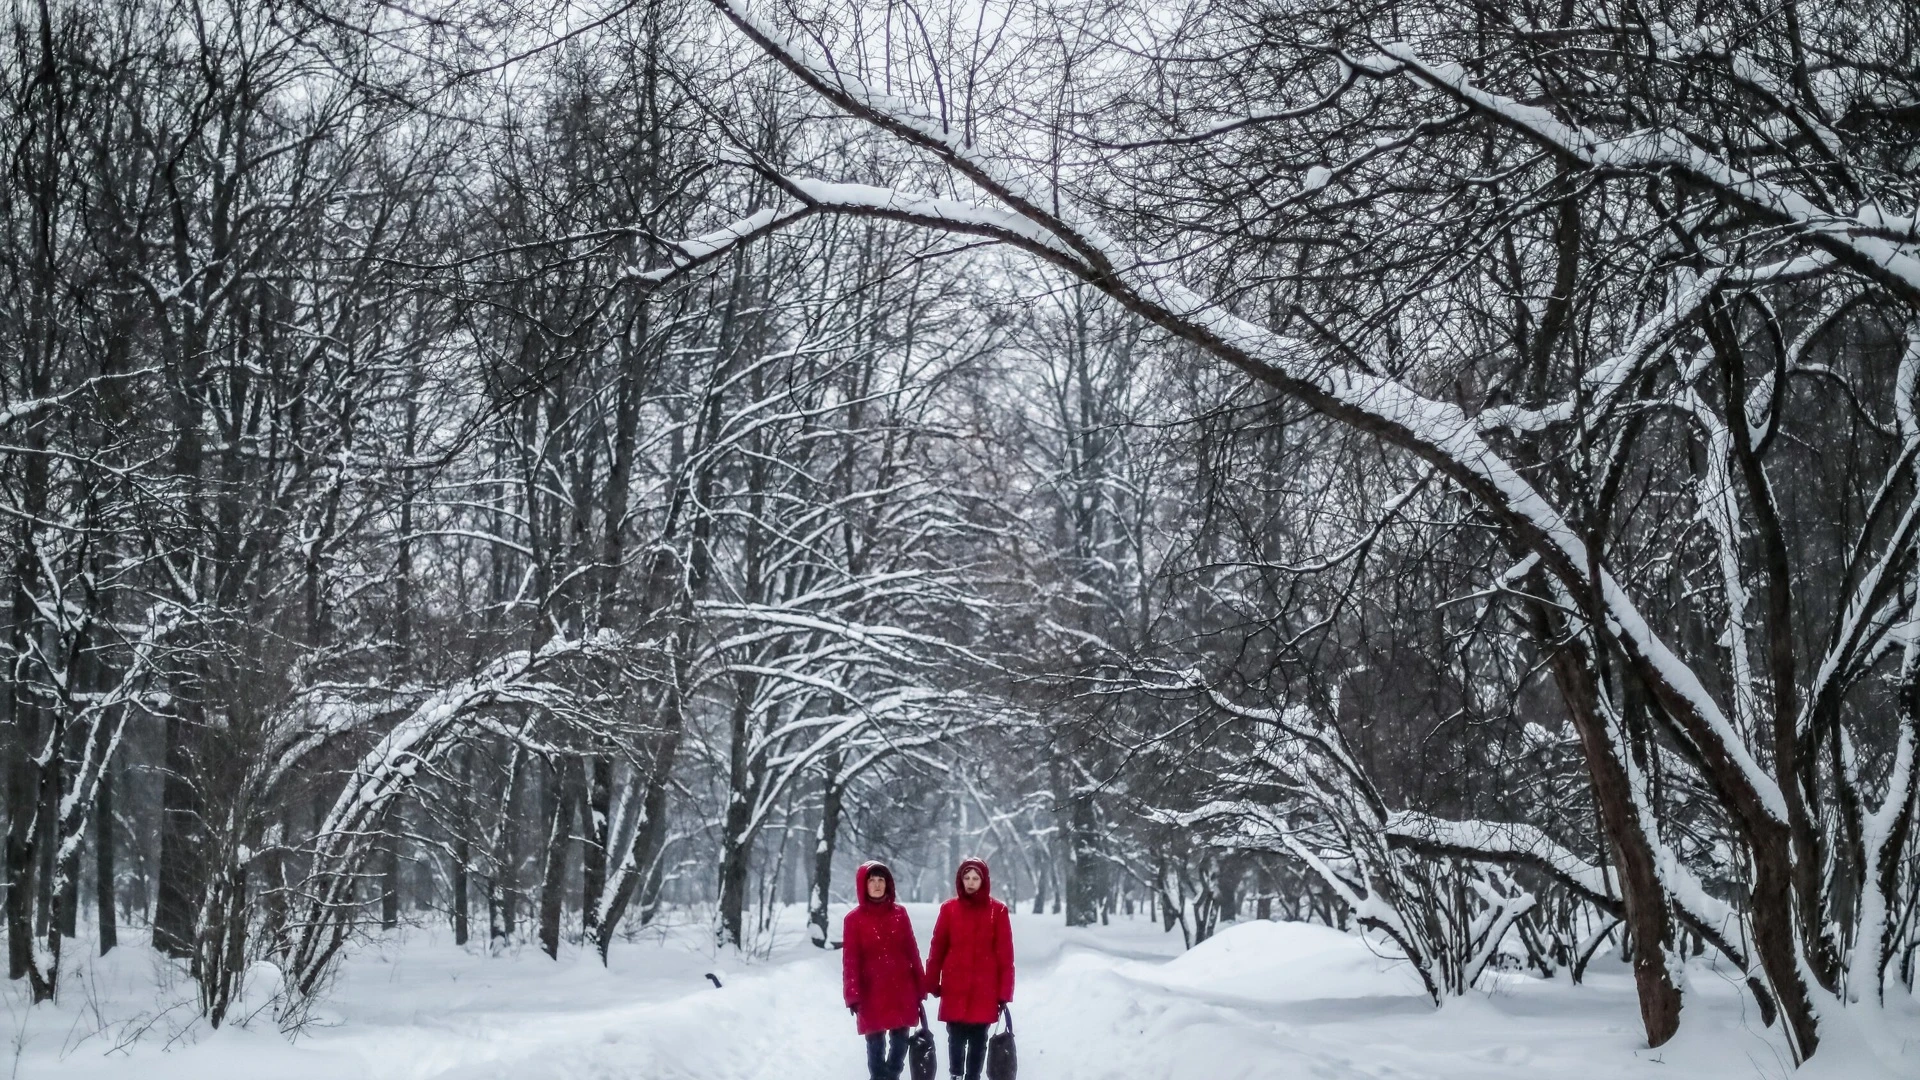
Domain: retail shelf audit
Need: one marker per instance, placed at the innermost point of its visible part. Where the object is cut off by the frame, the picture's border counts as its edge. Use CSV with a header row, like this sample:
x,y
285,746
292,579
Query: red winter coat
x,y
879,958
970,964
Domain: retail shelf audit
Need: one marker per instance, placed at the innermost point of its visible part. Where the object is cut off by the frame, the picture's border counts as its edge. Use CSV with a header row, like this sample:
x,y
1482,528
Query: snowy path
x,y
1263,1000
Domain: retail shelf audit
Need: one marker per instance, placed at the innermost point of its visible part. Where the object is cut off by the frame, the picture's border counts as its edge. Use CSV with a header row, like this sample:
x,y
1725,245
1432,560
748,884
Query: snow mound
x,y
259,989
1288,961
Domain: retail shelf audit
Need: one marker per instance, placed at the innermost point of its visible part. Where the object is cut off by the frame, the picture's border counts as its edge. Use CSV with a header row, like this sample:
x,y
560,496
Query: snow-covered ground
x,y
1280,1000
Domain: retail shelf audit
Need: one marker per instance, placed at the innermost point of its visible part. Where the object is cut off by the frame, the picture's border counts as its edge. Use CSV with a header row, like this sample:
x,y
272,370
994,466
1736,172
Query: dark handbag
x,y
1002,1062
922,1060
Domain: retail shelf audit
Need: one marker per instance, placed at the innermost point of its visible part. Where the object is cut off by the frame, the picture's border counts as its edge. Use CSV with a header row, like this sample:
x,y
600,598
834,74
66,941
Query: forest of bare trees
x,y
1446,468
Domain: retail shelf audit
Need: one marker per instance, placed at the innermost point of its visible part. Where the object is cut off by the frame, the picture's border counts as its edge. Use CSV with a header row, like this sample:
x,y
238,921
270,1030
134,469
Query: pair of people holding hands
x,y
969,968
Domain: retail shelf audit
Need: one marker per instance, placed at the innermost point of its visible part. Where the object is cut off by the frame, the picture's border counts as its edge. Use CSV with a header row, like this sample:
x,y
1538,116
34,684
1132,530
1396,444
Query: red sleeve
x,y
936,953
913,946
1003,950
850,961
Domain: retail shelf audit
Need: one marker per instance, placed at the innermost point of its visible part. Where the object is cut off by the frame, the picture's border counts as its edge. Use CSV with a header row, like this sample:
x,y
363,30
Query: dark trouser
x,y
883,1061
966,1049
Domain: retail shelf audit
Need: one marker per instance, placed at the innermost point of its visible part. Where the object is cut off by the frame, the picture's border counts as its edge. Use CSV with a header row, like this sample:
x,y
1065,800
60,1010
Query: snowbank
x,y
1286,961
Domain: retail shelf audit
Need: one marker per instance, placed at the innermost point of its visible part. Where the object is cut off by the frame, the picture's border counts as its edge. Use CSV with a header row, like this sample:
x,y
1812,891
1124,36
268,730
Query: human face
x,y
970,881
876,886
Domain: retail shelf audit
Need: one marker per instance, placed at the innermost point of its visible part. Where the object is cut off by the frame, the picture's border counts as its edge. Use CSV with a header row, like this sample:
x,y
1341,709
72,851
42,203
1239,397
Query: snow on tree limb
x,y
391,765
1503,840
695,252
1889,256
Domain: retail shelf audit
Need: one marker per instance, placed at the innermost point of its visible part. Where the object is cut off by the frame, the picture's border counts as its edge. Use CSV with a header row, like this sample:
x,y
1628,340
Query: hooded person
x,y
970,966
880,970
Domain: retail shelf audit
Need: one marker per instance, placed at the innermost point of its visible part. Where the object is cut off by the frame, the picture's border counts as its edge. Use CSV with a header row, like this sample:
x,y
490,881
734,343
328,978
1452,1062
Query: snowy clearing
x,y
1259,1000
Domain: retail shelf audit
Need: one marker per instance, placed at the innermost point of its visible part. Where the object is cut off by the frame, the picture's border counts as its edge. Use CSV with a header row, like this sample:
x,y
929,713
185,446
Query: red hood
x,y
860,882
986,879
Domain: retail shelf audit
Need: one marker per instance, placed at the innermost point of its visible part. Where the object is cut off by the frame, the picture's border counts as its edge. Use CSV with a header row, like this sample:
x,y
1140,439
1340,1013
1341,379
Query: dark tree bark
x,y
736,839
554,878
37,172
825,839
462,848
22,856
1233,869
105,896
47,840
1079,853
594,837
390,885
180,875
504,898
67,911
1643,895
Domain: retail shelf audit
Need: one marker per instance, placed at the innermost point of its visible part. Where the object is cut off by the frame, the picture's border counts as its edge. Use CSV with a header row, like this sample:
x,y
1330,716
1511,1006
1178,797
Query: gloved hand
x,y
853,1010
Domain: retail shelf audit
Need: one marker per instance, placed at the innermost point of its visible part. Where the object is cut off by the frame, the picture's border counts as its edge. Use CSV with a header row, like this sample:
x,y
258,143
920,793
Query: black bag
x,y
922,1059
1002,1062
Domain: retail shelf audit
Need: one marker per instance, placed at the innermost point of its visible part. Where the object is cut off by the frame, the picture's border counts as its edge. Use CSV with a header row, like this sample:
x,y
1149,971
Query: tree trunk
x,y
1776,936
640,873
223,956
22,858
462,849
1079,850
638,876
554,878
1232,870
52,921
390,885
47,822
67,913
824,841
23,799
597,825
104,896
509,889
33,348
180,841
502,890
736,840
594,837
733,887
1642,893
651,892
460,913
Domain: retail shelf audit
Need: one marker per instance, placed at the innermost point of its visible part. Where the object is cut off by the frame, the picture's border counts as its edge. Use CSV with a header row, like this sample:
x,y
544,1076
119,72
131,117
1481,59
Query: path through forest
x,y
1278,1000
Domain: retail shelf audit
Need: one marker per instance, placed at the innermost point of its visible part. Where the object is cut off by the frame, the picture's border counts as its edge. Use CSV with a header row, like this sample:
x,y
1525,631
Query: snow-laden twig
x,y
1859,241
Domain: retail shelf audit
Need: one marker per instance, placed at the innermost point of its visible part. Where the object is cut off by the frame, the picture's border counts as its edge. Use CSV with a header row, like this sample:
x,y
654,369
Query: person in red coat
x,y
970,966
880,970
